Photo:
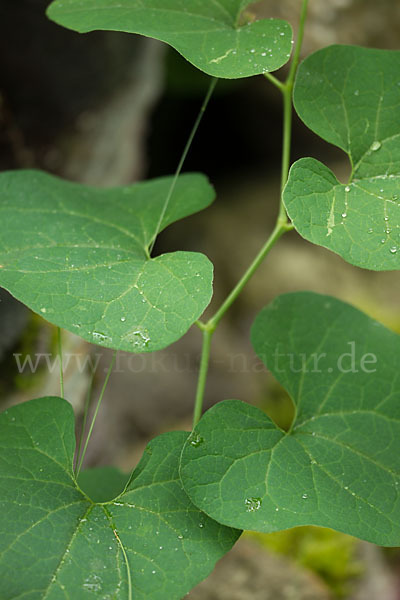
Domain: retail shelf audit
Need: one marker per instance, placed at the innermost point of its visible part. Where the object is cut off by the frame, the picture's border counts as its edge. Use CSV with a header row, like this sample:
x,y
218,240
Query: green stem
x,y
110,368
201,382
186,149
286,144
299,42
274,80
61,362
282,224
209,327
279,229
85,415
286,89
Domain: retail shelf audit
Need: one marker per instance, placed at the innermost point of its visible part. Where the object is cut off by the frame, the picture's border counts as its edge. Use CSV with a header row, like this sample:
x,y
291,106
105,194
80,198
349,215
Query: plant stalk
x,y
59,342
287,90
110,368
281,227
186,149
202,378
209,327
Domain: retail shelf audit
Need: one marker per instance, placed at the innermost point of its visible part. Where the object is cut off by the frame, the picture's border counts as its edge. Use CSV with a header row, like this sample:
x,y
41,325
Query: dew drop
x,y
252,504
344,215
305,496
196,440
375,146
393,249
347,188
138,337
101,338
123,319
370,230
356,93
201,525
92,583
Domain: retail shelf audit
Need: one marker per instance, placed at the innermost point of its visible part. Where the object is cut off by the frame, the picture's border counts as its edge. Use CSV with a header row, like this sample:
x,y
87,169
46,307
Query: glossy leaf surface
x,y
350,96
56,543
78,256
216,36
339,466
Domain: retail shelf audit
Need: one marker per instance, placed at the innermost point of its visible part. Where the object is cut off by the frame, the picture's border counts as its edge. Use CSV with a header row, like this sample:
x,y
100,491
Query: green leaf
x,y
214,35
350,97
56,543
78,256
102,483
339,466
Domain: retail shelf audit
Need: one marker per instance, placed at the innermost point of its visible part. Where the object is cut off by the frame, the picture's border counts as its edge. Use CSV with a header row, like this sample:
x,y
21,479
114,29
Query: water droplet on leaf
x,y
252,504
138,337
196,440
101,338
375,146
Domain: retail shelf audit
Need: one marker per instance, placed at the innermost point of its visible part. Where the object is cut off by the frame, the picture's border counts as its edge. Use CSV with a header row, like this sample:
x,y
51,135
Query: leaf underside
x,y
78,256
339,466
214,35
56,543
350,97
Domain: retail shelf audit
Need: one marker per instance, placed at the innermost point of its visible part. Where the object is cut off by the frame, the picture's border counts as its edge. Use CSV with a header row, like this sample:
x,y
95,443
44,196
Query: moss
x,y
37,333
329,554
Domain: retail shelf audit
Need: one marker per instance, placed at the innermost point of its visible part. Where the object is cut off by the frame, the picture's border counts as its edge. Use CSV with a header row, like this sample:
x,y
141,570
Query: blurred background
x,y
108,109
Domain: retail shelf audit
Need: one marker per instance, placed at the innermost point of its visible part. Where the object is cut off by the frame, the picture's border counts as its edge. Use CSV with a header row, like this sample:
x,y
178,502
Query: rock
x,y
249,572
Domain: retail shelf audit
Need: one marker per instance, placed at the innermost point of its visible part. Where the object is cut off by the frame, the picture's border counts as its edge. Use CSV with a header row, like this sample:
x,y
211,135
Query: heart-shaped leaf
x,y
56,543
214,35
350,96
339,465
79,257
